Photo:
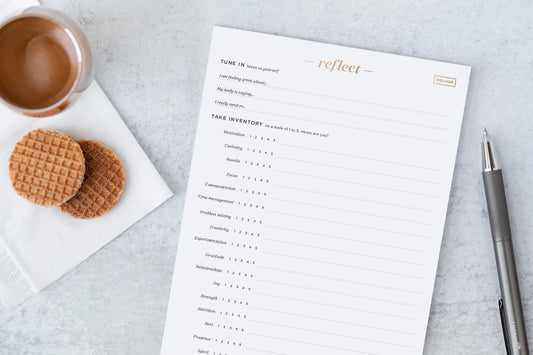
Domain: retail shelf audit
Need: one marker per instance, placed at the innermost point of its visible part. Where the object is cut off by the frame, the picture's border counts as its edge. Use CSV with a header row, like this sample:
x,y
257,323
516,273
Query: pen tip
x,y
486,136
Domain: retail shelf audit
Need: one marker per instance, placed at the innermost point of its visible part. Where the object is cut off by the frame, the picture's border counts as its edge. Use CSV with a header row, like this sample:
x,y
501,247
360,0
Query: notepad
x,y
316,200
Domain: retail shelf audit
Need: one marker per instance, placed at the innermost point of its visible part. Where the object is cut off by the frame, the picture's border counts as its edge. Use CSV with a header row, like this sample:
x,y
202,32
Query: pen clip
x,y
505,328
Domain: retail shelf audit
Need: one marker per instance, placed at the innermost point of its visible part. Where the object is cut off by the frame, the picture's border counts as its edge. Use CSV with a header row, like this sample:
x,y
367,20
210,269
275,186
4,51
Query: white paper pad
x,y
316,200
40,244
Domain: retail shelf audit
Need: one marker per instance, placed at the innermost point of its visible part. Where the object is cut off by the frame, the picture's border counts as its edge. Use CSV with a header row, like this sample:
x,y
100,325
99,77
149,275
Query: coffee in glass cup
x,y
45,61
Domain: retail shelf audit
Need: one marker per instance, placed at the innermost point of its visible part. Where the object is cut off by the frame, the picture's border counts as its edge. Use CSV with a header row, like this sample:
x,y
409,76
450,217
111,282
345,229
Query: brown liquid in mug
x,y
38,63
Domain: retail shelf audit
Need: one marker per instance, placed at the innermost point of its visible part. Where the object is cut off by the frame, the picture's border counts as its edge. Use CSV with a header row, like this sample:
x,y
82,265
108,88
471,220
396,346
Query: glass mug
x,y
46,62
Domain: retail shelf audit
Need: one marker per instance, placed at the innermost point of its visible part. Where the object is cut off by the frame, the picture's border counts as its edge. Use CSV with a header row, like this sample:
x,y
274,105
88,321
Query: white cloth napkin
x,y
40,244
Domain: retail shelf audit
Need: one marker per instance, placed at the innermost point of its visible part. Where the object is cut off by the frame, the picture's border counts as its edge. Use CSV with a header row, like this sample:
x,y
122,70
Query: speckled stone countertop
x,y
151,58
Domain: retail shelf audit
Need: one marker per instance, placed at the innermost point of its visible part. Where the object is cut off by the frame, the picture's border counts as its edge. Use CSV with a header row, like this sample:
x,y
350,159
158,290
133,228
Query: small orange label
x,y
444,80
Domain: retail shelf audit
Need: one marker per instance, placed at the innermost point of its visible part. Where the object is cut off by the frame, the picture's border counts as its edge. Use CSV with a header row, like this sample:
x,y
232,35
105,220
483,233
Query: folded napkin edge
x,y
14,288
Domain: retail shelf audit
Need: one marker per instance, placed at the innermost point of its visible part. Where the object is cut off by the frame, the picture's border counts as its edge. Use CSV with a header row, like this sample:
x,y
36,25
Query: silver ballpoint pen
x,y
510,305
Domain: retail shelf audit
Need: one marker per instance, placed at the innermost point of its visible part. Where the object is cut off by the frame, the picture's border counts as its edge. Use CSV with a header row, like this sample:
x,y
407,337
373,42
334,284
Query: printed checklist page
x,y
316,200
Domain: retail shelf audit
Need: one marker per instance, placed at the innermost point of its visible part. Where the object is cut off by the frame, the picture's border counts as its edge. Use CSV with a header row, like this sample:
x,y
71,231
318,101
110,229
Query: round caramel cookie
x,y
103,184
46,167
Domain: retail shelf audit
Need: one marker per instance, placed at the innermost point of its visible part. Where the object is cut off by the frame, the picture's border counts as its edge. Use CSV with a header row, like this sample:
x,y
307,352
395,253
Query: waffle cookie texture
x,y
46,167
102,186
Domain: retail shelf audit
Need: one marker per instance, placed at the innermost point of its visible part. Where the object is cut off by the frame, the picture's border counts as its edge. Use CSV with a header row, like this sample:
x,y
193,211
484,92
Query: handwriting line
x,y
338,293
344,252
308,343
360,157
345,99
356,183
354,198
359,170
351,211
329,333
348,239
339,279
333,320
335,306
344,265
353,225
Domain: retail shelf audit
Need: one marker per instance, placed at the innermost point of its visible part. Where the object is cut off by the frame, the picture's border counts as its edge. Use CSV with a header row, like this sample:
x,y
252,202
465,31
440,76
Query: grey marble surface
x,y
151,58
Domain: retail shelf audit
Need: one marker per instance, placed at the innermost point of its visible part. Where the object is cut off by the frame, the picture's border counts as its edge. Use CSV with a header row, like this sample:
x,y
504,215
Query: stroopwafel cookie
x,y
46,167
102,186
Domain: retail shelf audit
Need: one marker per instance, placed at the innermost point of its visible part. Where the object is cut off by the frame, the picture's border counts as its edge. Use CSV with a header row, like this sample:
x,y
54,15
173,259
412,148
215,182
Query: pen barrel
x,y
497,205
505,262
510,293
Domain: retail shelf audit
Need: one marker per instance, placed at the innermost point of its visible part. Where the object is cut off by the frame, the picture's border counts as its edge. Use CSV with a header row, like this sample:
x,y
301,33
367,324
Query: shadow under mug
x,y
81,61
